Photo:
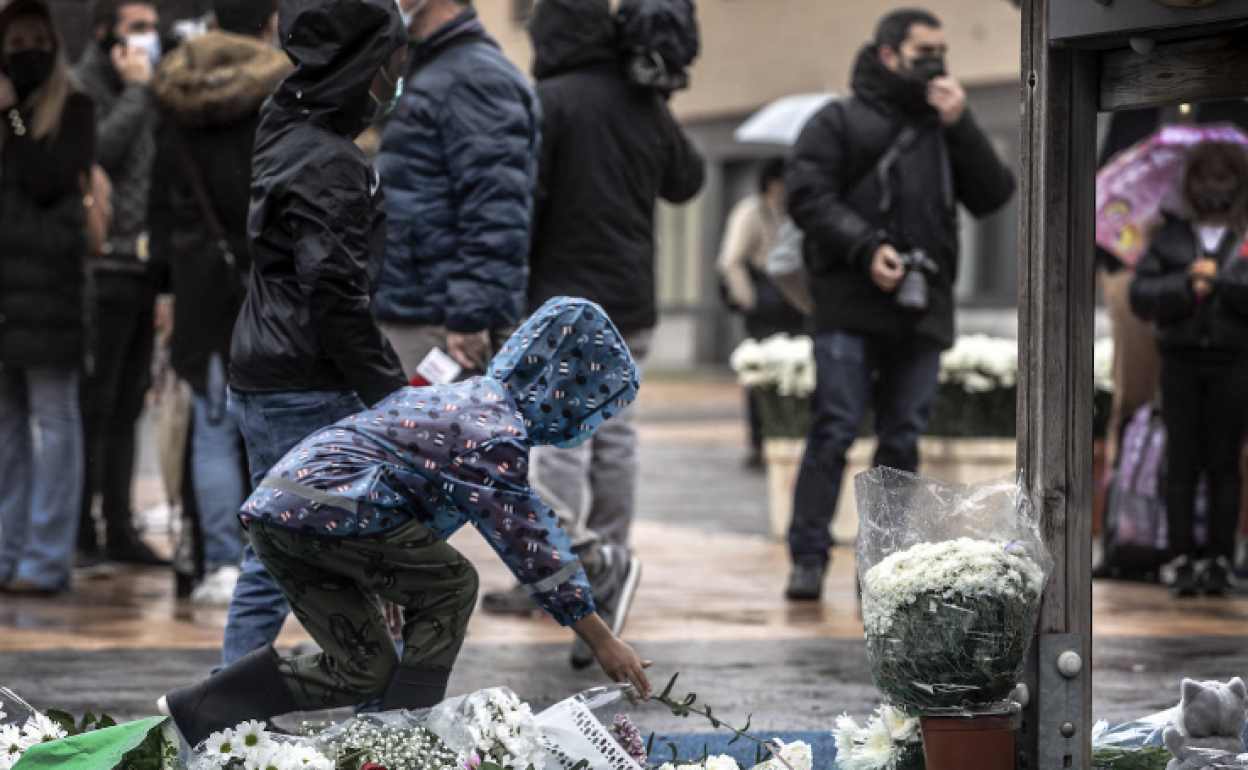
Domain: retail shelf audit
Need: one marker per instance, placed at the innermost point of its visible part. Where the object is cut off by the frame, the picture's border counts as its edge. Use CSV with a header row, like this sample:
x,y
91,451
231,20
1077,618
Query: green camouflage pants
x,y
333,585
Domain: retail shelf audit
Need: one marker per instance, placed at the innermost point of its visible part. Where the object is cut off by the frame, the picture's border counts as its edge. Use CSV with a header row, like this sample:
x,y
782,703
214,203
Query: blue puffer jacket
x,y
459,164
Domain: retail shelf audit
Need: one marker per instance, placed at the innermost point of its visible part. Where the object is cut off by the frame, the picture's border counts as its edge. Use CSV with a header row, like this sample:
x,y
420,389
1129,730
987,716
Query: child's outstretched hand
x,y
617,659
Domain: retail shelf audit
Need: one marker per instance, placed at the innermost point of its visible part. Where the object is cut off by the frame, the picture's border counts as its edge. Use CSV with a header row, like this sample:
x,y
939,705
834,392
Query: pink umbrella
x,y
1134,187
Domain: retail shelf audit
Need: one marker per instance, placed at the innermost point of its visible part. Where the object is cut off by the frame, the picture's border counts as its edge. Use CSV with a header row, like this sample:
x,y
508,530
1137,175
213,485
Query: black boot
x,y
415,687
250,688
126,546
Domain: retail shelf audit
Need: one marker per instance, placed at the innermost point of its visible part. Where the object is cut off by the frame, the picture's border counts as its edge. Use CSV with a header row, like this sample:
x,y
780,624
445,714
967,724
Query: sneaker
x,y
753,461
127,547
217,588
517,601
806,582
613,591
1180,577
1214,576
91,565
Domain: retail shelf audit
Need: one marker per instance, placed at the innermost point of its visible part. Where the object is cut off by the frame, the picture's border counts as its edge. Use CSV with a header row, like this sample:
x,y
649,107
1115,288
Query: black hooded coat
x,y
834,197
317,226
609,152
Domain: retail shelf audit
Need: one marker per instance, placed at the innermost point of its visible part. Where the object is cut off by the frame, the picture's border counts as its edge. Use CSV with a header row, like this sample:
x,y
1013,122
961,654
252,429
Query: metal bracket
x,y
1061,733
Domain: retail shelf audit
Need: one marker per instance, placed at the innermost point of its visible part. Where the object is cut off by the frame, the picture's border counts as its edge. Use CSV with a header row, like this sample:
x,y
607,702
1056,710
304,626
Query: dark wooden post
x,y
1056,306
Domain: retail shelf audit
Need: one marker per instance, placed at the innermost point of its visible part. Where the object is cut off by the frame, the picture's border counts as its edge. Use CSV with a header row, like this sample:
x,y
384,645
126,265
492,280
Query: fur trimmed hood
x,y
218,77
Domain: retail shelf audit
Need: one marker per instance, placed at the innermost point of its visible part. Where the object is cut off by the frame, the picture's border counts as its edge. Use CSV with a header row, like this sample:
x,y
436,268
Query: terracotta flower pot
x,y
984,742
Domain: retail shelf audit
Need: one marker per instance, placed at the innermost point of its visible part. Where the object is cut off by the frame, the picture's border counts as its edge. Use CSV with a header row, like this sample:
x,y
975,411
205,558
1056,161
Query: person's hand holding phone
x,y
133,64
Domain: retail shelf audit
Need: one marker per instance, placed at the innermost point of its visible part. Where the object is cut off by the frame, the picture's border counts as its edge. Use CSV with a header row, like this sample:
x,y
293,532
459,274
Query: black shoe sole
x,y
803,596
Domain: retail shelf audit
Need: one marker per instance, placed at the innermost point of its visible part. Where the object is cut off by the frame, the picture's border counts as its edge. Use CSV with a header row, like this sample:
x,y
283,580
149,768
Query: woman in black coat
x,y
47,142
1193,284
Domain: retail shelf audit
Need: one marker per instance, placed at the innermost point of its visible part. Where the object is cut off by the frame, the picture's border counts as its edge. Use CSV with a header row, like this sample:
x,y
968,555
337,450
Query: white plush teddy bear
x,y
1210,726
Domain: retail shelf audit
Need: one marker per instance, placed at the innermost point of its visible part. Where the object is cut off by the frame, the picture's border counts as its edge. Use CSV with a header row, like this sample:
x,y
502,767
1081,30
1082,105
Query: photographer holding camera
x,y
874,183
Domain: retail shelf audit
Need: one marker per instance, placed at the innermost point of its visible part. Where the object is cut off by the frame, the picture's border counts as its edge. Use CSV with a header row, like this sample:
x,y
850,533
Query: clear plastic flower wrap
x,y
575,730
952,576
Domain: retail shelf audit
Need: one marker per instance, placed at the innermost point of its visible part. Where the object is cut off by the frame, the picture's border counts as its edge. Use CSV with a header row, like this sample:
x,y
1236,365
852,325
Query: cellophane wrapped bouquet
x,y
952,577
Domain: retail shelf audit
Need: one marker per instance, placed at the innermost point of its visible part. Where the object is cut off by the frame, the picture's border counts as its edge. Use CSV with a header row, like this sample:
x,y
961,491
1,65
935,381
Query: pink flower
x,y
471,763
629,738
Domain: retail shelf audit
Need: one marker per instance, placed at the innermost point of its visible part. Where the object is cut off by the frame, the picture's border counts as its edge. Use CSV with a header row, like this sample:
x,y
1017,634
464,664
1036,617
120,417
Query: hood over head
x,y
572,34
337,47
569,371
218,78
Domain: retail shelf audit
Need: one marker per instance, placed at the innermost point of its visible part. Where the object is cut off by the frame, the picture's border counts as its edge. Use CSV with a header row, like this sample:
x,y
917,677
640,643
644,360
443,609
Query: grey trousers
x,y
413,343
593,488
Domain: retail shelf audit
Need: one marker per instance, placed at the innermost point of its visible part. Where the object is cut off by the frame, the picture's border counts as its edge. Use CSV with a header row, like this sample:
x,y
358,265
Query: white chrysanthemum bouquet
x,y
890,741
952,577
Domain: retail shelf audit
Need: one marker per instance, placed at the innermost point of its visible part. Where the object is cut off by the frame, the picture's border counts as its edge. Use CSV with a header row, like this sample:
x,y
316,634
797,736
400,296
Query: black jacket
x,y
609,152
1162,293
317,223
834,197
43,242
210,90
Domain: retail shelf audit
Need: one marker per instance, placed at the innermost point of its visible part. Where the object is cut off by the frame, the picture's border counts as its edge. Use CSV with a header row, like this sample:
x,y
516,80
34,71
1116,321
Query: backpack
x,y
1136,541
659,40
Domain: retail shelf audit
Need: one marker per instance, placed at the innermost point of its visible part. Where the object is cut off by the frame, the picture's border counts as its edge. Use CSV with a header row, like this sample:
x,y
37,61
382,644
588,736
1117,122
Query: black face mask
x,y
927,69
1215,202
28,70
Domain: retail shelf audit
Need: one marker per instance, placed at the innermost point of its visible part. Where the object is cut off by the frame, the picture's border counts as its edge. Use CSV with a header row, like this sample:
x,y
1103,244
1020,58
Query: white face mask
x,y
408,16
149,42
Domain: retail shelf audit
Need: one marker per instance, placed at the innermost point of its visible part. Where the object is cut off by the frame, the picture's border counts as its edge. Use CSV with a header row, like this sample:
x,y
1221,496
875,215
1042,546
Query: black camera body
x,y
912,292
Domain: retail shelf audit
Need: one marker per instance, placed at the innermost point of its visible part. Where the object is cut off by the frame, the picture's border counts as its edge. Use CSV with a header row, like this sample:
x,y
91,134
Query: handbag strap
x,y
205,205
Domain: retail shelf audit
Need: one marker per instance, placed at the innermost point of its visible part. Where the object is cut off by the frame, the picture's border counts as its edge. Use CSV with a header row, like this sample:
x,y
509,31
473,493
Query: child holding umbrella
x,y
1193,284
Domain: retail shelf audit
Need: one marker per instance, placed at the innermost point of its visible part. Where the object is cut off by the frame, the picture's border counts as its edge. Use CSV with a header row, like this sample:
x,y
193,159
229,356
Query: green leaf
x,y
491,766
105,722
650,745
584,763
675,752
88,719
667,691
65,720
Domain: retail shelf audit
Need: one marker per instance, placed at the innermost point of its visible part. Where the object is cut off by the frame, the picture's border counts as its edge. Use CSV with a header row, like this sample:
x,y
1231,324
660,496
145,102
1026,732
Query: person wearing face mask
x,y
116,72
306,349
874,183
47,145
459,161
1192,283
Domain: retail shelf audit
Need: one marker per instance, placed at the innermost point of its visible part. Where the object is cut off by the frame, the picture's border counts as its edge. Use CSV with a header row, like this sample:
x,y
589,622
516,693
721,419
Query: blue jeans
x,y
272,425
40,480
896,375
217,465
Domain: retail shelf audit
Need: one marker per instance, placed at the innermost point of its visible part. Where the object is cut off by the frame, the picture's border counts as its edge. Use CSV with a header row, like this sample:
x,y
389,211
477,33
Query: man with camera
x,y
874,184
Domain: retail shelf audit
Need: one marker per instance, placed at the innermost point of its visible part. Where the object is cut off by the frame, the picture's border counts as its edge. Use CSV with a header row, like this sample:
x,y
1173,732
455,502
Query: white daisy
x,y
40,729
252,740
222,744
306,758
12,743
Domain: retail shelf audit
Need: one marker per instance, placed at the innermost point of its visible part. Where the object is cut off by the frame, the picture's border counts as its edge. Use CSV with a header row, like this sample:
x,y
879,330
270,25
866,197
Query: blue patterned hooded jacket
x,y
456,454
